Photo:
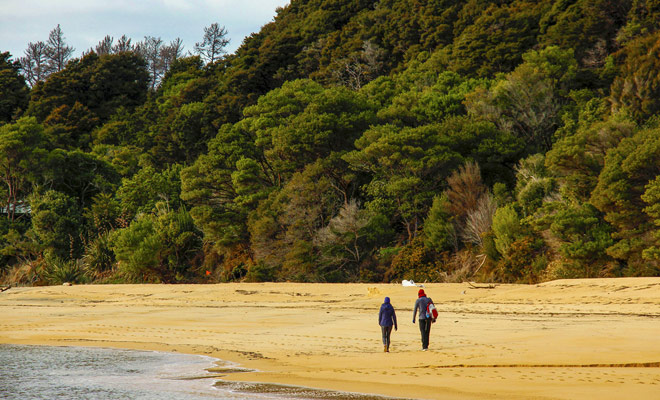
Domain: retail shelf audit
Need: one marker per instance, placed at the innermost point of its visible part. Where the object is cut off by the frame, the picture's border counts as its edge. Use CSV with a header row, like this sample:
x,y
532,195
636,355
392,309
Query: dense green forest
x,y
508,141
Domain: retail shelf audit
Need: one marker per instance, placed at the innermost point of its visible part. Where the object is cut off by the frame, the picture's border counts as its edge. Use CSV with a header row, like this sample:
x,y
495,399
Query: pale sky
x,y
86,22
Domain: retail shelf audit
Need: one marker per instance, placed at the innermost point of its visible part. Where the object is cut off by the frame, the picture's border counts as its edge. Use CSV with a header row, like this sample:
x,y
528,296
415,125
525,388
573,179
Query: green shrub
x,y
157,248
506,227
57,222
524,261
531,196
58,271
414,261
438,226
260,272
98,258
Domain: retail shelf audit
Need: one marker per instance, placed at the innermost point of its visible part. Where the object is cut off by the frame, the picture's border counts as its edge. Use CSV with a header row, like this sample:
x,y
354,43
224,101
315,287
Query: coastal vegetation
x,y
346,141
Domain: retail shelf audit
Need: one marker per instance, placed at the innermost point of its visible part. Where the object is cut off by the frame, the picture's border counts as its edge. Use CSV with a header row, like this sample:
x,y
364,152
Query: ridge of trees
x,y
511,141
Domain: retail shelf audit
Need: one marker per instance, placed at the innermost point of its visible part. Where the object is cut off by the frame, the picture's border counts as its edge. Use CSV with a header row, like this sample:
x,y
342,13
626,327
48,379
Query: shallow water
x,y
89,373
45,372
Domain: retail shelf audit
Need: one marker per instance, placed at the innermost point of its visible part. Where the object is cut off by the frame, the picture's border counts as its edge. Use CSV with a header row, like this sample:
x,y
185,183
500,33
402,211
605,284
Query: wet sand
x,y
573,339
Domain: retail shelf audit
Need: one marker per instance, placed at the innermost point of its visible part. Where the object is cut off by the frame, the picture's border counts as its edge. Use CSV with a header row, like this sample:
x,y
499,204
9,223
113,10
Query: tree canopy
x,y
508,140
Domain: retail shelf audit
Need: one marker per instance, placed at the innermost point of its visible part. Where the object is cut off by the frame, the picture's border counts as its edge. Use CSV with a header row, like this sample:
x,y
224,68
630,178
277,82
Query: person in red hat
x,y
425,320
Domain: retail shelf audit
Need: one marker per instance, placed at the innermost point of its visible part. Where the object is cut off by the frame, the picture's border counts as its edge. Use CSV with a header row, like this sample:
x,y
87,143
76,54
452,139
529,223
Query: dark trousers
x,y
386,331
425,329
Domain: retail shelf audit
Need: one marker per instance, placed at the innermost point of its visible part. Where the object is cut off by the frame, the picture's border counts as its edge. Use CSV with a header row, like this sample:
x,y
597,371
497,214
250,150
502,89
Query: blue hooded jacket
x,y
386,315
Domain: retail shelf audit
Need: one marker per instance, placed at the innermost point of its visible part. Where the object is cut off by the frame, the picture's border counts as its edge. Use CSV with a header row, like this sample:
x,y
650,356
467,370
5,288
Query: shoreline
x,y
557,340
219,377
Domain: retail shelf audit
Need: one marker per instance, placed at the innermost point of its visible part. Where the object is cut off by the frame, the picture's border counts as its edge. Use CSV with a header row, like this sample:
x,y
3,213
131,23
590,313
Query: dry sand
x,y
578,339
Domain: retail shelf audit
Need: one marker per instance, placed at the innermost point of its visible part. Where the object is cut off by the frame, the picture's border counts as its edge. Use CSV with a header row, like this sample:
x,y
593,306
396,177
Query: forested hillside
x,y
509,141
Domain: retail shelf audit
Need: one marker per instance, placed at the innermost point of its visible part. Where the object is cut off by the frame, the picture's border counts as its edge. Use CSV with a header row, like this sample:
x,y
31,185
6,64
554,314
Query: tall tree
x,y
56,222
408,166
123,45
151,51
105,46
21,152
342,239
360,68
629,168
170,53
207,186
524,104
35,63
464,193
214,43
78,175
58,52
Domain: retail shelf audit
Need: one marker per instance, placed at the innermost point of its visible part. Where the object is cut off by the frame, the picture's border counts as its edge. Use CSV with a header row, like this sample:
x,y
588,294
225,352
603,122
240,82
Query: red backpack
x,y
431,311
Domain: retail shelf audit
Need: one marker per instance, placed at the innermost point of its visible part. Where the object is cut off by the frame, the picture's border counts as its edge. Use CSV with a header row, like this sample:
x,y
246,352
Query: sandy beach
x,y
573,339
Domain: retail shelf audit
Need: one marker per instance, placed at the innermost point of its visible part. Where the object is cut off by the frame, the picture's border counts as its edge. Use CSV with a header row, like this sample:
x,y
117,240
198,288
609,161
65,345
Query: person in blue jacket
x,y
424,321
387,319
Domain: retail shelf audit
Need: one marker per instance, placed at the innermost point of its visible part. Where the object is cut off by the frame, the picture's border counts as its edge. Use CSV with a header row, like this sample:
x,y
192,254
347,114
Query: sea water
x,y
46,372
89,373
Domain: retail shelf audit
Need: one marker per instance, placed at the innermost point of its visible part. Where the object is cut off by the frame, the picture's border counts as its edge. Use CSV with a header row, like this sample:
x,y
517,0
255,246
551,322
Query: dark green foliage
x,y
524,104
407,166
22,152
643,19
13,89
57,224
637,88
58,271
157,247
414,261
301,122
629,169
260,272
587,26
585,236
523,262
422,105
123,159
98,259
183,134
69,127
178,121
507,228
349,141
104,214
439,230
283,228
207,186
79,175
100,83
652,197
141,192
497,39
579,158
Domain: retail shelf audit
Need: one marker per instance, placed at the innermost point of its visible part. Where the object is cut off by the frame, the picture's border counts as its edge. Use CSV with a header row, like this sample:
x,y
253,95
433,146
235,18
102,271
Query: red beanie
x,y
421,293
